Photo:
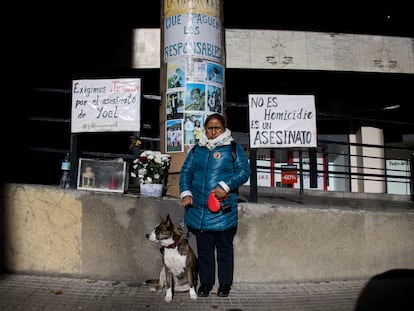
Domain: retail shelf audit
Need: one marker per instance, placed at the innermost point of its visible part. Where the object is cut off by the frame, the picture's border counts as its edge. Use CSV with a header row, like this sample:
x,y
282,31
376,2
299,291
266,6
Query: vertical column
x,y
373,159
369,160
192,75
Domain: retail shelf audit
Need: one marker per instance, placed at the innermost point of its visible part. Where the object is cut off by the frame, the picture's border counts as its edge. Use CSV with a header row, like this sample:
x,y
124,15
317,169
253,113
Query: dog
x,y
180,269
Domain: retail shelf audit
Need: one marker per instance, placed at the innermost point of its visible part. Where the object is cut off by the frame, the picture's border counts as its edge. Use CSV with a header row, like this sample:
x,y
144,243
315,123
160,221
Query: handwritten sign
x,y
282,121
106,105
194,35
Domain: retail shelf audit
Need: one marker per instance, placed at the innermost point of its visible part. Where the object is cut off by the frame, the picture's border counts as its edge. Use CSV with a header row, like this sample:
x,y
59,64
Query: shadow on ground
x,y
391,290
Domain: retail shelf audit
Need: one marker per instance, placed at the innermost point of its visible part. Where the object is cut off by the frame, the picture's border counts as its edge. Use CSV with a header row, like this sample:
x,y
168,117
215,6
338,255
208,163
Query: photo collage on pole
x,y
194,90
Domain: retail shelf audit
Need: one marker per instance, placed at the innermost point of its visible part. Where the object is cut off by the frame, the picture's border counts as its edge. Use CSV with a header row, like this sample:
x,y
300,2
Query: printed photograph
x,y
175,75
175,105
215,73
195,97
214,99
193,128
174,134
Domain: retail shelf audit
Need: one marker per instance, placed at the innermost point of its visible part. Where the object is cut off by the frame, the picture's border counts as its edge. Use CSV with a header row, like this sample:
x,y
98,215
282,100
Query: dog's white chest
x,y
174,260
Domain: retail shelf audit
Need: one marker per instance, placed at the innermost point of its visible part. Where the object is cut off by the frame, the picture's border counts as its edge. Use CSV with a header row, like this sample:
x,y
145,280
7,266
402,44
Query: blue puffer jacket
x,y
201,173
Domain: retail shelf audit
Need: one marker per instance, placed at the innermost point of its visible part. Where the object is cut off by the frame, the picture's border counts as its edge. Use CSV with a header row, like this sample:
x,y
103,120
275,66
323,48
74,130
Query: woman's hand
x,y
187,200
219,192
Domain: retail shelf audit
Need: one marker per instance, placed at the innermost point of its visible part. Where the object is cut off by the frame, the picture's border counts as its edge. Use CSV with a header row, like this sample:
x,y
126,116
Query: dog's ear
x,y
169,222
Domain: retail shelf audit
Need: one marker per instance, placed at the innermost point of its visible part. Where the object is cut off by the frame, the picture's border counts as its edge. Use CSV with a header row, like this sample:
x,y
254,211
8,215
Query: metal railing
x,y
391,172
380,169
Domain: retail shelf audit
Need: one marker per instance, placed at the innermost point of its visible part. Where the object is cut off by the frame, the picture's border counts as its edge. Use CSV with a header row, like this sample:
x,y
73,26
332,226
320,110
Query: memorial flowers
x,y
151,167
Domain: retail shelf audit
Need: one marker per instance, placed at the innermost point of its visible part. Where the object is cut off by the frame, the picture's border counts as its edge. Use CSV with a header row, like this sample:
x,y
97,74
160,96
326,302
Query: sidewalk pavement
x,y
34,292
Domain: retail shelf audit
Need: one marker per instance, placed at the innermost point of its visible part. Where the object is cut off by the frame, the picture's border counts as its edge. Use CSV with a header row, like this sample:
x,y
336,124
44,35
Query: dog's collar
x,y
176,243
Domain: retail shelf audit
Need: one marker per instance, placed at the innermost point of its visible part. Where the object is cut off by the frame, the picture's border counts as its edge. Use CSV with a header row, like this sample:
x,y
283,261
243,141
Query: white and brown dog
x,y
179,273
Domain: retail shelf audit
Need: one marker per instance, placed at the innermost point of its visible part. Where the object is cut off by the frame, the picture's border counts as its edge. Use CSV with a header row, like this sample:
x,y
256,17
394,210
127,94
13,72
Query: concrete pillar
x,y
370,160
355,152
192,75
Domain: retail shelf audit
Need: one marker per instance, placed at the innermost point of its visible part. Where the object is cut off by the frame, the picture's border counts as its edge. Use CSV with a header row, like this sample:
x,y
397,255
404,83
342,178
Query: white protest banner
x,y
106,105
195,34
282,121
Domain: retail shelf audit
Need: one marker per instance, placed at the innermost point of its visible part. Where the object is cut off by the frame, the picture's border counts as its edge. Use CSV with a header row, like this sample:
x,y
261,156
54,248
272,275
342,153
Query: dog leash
x,y
187,234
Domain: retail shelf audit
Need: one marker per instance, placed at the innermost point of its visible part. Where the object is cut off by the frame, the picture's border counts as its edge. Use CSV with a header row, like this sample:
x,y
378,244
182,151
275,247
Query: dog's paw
x,y
153,289
168,295
193,294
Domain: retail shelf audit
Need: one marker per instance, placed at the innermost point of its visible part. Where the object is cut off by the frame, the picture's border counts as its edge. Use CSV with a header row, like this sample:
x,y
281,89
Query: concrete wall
x,y
48,230
287,49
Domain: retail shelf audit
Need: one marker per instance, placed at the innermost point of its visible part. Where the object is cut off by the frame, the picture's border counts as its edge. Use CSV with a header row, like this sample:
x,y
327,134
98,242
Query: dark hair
x,y
216,116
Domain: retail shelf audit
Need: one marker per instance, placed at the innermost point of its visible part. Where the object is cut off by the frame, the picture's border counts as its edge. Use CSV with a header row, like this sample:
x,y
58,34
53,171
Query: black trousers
x,y
210,243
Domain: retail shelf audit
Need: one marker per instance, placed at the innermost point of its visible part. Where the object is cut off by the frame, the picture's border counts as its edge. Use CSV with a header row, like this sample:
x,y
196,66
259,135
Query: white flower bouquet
x,y
151,167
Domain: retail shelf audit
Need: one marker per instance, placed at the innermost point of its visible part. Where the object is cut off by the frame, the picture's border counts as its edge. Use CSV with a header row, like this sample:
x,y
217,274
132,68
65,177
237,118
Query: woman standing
x,y
211,167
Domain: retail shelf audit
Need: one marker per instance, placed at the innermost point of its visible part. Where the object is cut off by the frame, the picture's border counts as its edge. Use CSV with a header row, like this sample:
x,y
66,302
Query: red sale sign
x,y
289,174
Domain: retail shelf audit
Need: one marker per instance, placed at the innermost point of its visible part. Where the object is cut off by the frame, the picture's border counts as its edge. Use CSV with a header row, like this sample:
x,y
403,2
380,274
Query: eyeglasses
x,y
214,128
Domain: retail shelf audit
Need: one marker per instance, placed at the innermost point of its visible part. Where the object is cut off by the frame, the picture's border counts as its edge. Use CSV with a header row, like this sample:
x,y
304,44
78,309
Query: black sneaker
x,y
205,289
223,290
